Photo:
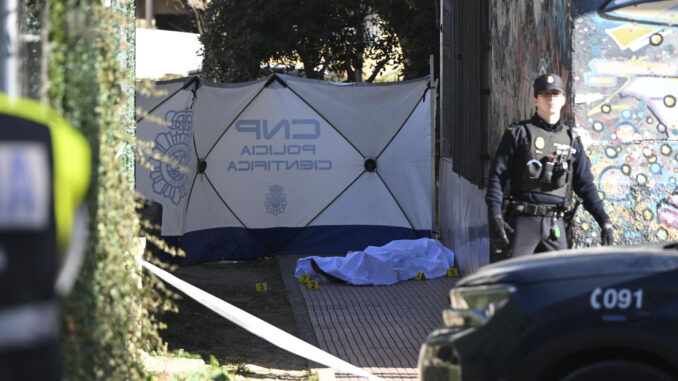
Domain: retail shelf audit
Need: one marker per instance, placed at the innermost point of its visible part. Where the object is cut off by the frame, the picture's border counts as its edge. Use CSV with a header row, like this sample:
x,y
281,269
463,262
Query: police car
x,y
592,314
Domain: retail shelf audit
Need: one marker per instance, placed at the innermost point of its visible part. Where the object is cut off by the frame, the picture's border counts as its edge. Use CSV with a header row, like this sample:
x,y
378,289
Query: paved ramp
x,y
378,328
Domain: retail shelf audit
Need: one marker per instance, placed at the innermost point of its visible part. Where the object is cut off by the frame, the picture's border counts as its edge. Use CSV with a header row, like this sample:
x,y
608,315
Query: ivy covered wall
x,y
108,320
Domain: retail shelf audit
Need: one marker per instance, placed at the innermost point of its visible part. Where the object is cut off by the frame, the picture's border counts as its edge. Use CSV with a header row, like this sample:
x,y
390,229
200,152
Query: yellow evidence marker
x,y
453,272
304,278
313,285
261,287
420,276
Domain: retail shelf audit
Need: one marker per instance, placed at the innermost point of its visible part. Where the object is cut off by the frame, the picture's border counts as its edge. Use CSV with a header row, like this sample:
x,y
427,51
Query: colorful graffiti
x,y
528,38
625,77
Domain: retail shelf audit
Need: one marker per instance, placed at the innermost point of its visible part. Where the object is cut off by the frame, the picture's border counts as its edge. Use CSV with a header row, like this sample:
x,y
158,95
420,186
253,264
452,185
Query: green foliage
x,y
30,15
355,37
30,21
179,353
415,23
214,372
108,318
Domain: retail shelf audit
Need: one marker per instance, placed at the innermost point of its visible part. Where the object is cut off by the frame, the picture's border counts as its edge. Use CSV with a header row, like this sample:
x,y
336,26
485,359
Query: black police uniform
x,y
535,210
542,163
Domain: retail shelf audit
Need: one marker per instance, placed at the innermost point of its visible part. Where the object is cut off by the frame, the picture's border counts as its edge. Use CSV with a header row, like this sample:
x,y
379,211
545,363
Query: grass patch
x,y
177,353
197,330
214,372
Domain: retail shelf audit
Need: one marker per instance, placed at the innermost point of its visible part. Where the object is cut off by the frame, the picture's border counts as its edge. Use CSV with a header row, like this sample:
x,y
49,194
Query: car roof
x,y
579,263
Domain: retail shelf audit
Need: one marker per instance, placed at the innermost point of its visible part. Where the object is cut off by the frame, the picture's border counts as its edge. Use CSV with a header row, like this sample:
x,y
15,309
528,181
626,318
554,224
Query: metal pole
x,y
446,74
9,76
149,14
432,99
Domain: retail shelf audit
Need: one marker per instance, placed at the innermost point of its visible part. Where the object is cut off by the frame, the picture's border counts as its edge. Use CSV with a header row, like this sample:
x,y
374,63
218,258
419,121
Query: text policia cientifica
x,y
279,157
279,163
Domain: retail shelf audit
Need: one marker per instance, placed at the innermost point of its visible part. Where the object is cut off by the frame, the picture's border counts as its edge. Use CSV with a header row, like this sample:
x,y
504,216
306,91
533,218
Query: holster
x,y
506,209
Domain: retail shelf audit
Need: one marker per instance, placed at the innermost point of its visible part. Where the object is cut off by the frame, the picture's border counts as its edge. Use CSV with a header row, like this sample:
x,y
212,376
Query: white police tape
x,y
253,324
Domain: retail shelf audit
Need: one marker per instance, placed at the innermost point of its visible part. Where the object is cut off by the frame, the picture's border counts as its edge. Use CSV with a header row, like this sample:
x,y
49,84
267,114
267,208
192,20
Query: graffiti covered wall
x,y
527,38
625,77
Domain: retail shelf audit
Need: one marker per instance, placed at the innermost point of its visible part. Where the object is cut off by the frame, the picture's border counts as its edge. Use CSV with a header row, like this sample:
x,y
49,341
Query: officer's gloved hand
x,y
498,232
607,235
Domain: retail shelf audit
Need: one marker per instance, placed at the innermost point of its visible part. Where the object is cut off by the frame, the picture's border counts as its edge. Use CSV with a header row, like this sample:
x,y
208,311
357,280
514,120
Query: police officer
x,y
44,176
542,160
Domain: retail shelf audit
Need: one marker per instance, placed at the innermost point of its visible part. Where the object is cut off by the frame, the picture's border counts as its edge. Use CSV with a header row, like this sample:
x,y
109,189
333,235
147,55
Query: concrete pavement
x,y
378,328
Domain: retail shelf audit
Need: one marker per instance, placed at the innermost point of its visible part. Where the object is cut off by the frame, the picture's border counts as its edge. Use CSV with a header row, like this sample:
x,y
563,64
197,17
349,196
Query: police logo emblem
x,y
550,79
539,142
169,172
275,200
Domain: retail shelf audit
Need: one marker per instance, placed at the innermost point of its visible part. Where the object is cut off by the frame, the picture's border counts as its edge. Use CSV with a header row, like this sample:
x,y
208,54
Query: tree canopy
x,y
355,37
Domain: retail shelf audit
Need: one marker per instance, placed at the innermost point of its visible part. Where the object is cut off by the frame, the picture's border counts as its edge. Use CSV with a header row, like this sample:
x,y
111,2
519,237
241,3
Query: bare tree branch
x,y
377,69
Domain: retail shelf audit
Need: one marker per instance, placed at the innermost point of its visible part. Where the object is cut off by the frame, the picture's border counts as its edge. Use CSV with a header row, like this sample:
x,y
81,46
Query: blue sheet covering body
x,y
396,261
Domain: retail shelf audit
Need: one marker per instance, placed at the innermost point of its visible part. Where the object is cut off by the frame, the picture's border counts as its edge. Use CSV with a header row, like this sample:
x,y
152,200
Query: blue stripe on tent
x,y
240,243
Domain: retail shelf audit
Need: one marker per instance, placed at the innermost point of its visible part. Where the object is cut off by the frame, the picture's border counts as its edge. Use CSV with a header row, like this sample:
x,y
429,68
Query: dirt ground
x,y
198,330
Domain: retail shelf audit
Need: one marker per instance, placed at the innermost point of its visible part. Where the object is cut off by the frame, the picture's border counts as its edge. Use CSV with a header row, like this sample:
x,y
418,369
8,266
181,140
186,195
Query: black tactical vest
x,y
27,224
544,163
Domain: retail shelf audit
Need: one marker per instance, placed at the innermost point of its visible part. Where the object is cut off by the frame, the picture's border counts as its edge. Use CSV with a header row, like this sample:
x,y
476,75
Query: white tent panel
x,y
284,166
405,166
365,202
206,210
150,95
280,164
216,107
169,128
368,116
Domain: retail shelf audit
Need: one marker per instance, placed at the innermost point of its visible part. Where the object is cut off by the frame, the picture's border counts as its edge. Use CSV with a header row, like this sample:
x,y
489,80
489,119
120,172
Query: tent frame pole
x,y
434,190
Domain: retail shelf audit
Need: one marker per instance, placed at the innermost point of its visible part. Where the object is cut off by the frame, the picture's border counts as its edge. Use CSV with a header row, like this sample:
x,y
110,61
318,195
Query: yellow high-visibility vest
x,y
70,169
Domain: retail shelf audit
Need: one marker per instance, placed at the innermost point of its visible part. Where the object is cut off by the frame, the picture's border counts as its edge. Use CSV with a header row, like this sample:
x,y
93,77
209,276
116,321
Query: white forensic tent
x,y
287,165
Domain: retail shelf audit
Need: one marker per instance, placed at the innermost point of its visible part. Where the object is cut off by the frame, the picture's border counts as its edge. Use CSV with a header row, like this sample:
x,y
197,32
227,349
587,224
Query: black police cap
x,y
547,82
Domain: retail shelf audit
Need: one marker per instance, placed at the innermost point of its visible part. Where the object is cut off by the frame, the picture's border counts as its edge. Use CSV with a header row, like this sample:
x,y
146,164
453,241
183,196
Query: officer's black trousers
x,y
38,362
533,234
